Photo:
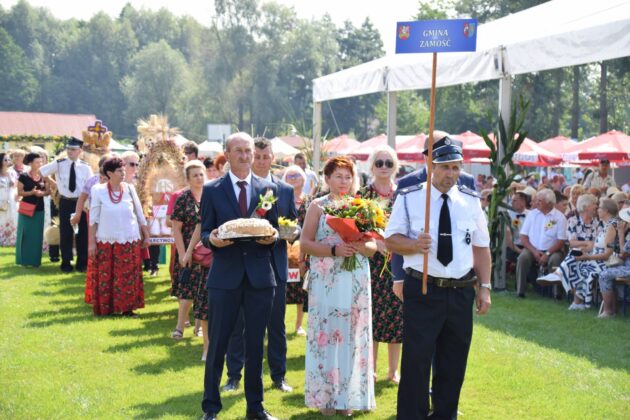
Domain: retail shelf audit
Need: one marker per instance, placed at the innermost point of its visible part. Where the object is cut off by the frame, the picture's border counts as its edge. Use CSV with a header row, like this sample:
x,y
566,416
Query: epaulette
x,y
412,188
464,189
60,160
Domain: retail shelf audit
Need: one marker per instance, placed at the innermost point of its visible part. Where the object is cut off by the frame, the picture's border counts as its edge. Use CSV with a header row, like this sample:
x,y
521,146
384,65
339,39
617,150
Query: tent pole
x,y
505,108
391,119
317,135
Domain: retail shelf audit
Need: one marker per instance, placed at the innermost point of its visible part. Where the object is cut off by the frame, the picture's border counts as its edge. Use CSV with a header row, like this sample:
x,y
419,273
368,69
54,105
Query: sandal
x,y
177,334
187,324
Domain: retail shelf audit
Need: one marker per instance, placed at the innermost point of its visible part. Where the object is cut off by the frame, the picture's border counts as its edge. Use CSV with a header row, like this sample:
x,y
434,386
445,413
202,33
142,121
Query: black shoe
x,y
130,314
261,415
231,385
54,259
210,416
66,268
521,296
282,385
81,269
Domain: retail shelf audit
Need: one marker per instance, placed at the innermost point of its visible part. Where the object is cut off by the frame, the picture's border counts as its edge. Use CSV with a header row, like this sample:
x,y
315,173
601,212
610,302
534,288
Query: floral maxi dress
x,y
339,373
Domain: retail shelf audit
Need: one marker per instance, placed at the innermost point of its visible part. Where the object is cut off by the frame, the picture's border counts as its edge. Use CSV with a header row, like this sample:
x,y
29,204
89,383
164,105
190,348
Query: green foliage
x,y
503,170
19,86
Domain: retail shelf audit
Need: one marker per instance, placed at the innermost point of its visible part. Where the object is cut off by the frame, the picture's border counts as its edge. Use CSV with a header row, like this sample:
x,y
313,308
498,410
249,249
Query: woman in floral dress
x,y
296,295
339,368
386,307
7,203
185,218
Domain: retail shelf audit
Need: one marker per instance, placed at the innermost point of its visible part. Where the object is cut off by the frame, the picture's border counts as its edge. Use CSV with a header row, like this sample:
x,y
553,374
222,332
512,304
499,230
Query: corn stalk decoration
x,y
503,170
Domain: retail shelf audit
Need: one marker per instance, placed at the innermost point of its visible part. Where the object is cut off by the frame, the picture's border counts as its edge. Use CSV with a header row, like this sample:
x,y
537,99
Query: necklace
x,y
387,194
113,196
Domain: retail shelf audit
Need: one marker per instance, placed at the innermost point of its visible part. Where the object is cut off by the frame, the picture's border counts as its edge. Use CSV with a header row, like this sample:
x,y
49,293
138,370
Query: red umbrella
x,y
613,145
532,154
411,149
362,151
557,145
473,145
340,145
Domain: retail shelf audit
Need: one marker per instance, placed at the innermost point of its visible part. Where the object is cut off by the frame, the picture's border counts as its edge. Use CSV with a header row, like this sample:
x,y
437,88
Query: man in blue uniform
x,y
438,325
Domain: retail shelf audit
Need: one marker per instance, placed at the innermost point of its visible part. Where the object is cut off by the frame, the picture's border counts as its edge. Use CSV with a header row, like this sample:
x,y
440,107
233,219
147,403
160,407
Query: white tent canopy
x,y
282,149
115,146
210,148
555,34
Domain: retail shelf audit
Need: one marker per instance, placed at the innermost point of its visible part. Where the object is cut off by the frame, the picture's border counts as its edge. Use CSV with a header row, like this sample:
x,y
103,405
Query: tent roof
x,y
555,34
44,124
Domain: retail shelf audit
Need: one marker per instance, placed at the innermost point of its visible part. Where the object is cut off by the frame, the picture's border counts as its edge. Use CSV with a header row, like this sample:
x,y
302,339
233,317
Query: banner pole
x,y
427,212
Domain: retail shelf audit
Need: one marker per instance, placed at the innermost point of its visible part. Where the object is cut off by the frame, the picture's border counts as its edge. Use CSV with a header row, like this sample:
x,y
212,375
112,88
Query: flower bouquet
x,y
356,219
265,204
286,228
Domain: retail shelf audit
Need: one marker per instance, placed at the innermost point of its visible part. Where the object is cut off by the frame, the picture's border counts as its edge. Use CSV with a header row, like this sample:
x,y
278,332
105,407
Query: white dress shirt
x,y
517,220
543,230
467,221
117,223
237,189
61,168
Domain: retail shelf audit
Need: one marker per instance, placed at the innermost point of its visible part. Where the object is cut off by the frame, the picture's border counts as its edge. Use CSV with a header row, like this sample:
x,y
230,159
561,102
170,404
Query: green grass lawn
x,y
529,359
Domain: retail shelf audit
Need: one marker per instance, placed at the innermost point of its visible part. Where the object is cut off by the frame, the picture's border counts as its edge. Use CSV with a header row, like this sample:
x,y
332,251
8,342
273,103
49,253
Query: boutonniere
x,y
550,224
265,203
516,222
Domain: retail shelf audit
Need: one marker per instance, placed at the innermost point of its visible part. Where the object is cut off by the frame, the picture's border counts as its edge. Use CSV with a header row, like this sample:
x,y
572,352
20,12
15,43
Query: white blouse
x,y
117,223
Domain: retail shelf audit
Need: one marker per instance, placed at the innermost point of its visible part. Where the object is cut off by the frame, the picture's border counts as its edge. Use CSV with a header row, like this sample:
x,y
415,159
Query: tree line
x,y
252,66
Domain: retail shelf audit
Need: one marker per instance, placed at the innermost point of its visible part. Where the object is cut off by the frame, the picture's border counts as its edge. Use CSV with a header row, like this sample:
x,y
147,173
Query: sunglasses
x,y
133,164
294,176
379,163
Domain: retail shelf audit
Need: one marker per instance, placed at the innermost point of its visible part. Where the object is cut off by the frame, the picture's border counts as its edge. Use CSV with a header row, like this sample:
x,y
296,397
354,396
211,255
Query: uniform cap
x,y
74,143
446,150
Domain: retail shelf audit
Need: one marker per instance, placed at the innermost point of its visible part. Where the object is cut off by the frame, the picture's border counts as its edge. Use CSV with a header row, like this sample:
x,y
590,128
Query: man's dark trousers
x,y
438,327
225,305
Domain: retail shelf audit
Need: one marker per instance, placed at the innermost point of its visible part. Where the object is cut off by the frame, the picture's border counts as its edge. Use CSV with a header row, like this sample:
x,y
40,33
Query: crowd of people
x,y
238,291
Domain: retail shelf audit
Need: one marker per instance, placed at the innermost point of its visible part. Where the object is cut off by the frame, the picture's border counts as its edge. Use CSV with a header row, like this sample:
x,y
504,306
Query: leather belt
x,y
69,198
468,280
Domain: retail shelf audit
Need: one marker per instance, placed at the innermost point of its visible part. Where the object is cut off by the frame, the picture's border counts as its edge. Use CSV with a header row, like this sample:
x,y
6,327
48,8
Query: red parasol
x,y
613,145
340,145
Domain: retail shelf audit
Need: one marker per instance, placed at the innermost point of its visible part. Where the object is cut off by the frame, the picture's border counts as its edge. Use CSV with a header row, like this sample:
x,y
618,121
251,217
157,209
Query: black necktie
x,y
72,185
445,242
242,198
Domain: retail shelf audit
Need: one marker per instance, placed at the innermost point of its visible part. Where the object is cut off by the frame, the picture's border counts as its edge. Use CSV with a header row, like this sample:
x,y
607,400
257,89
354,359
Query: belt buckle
x,y
439,282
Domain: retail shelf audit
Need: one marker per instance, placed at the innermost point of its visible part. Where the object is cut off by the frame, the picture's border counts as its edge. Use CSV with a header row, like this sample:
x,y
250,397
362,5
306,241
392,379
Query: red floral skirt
x,y
116,278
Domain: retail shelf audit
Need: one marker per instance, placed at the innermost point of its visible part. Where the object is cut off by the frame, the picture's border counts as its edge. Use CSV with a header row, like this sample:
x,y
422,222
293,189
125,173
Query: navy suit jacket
x,y
415,178
286,208
230,264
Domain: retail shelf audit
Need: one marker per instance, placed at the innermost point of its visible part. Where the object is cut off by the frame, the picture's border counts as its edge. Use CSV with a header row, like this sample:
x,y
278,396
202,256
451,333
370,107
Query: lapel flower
x,y
550,224
265,203
516,222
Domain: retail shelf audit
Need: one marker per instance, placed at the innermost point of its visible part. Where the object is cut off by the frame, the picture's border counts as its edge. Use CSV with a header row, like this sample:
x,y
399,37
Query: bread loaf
x,y
245,227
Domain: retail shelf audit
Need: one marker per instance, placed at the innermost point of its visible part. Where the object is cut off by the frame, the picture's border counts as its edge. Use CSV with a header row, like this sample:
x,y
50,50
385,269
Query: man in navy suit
x,y
277,340
418,177
241,277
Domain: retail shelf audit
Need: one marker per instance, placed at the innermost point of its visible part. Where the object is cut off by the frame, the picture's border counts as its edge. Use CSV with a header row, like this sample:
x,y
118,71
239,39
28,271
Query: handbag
x,y
202,255
27,209
614,260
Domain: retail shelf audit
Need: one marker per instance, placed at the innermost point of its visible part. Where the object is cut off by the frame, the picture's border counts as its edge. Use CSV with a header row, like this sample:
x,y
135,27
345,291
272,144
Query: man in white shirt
x,y
71,175
520,202
310,186
600,179
543,236
440,322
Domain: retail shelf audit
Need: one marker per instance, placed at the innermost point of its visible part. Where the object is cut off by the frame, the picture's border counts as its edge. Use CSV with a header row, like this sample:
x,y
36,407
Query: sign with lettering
x,y
294,275
428,36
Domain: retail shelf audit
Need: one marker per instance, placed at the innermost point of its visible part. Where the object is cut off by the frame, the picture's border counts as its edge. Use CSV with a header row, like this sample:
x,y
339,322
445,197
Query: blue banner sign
x,y
424,36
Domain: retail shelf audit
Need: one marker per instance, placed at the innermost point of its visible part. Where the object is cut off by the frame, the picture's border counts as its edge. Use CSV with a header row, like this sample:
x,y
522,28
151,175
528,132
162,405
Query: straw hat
x,y
531,191
611,190
624,214
51,234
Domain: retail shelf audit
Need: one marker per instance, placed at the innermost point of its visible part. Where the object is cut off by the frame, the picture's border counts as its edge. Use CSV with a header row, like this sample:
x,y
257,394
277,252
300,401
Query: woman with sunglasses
x,y
386,307
7,203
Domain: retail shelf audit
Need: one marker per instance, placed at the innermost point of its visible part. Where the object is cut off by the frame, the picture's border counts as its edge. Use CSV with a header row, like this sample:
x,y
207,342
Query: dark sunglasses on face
x,y
379,163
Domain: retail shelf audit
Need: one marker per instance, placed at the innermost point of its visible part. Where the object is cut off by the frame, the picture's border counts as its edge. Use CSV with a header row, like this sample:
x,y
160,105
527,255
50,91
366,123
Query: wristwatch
x,y
486,285
547,253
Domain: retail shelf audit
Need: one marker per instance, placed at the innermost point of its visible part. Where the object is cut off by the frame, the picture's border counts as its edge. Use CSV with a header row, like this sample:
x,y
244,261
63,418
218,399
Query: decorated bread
x,y
239,228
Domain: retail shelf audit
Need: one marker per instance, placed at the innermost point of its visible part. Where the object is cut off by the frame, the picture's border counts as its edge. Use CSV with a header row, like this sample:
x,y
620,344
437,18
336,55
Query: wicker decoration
x,y
162,165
